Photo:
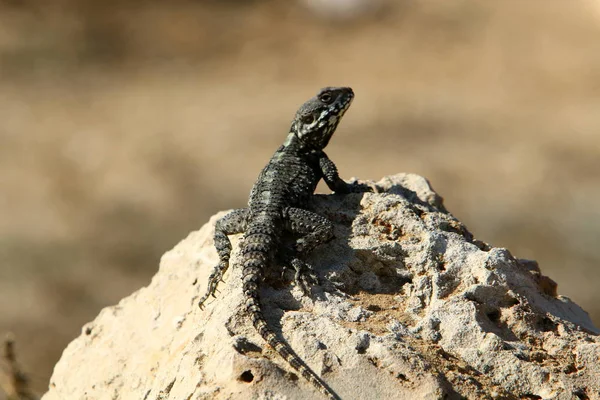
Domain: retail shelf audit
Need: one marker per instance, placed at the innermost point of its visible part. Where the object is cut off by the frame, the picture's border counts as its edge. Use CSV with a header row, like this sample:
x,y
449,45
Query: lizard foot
x,y
215,277
304,276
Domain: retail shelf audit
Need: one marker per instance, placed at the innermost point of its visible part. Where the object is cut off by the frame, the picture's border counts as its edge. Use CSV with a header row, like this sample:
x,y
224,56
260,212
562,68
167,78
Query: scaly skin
x,y
278,203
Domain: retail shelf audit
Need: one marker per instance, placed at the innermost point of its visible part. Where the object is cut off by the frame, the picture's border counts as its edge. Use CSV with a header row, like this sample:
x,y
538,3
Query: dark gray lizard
x,y
278,203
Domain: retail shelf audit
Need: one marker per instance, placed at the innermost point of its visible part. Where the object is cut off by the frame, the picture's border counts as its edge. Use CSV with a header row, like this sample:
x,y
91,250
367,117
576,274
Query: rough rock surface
x,y
430,313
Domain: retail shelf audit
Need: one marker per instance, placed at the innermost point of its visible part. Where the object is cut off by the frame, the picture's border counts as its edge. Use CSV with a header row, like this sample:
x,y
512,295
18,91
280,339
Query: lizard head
x,y
317,119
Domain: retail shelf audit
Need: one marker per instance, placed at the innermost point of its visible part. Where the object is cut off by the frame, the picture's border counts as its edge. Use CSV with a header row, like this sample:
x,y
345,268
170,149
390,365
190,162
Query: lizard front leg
x,y
313,230
333,180
232,223
331,176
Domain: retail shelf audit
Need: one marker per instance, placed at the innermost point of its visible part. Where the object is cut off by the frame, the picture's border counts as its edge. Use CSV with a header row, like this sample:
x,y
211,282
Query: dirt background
x,y
126,124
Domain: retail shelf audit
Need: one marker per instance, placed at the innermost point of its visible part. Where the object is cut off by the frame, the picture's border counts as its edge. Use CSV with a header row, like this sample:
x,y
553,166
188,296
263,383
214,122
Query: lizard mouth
x,y
345,100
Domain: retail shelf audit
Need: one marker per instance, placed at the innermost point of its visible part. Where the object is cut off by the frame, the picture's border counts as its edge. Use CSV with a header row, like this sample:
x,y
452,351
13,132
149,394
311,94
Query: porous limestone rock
x,y
410,306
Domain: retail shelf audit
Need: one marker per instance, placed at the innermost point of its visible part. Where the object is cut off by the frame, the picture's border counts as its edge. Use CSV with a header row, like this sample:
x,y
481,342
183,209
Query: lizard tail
x,y
254,262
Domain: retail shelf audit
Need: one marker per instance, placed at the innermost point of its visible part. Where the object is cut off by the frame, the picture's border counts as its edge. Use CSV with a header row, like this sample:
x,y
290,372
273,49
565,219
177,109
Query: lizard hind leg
x,y
313,230
232,223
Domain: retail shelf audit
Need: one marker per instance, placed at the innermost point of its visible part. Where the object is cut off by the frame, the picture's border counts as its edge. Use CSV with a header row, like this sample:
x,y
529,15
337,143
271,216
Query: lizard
x,y
278,203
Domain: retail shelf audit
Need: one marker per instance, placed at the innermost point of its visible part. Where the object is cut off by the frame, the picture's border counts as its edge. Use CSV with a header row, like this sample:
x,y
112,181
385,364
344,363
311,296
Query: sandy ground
x,y
119,135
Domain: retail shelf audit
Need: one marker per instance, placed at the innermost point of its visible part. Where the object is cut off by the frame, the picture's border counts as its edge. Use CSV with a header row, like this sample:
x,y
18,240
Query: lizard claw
x,y
201,302
215,277
355,187
304,277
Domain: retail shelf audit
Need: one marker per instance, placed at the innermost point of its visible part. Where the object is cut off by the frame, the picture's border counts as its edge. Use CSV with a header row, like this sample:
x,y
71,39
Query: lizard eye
x,y
326,98
308,119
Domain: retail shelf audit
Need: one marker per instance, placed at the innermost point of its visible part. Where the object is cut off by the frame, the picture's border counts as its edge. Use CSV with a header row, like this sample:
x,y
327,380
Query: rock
x,y
426,312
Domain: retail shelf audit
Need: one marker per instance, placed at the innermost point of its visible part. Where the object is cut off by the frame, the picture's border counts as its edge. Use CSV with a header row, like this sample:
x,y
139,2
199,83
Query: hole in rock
x,y
569,369
402,377
493,315
547,325
247,376
581,394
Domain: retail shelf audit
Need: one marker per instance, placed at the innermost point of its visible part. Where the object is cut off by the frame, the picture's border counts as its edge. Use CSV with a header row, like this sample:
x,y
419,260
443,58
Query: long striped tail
x,y
255,254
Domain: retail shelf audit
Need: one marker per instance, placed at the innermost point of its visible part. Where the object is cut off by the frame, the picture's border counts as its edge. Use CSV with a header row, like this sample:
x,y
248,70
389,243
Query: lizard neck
x,y
294,145
291,141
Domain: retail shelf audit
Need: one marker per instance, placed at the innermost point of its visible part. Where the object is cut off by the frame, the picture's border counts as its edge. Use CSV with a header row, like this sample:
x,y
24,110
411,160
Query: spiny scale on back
x,y
277,204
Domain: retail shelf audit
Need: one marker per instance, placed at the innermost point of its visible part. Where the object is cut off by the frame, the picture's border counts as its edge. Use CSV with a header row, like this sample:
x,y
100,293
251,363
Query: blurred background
x,y
124,125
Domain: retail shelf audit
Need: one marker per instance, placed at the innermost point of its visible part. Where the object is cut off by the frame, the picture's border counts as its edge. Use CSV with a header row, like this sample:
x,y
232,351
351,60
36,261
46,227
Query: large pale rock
x,y
433,313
